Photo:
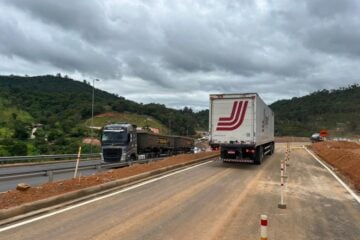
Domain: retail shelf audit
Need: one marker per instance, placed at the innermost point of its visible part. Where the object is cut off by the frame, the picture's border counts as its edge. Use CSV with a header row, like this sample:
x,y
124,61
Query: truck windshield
x,y
114,136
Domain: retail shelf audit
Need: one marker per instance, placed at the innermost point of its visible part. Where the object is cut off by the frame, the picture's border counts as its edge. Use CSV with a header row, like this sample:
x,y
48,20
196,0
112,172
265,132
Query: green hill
x,y
9,117
337,110
62,107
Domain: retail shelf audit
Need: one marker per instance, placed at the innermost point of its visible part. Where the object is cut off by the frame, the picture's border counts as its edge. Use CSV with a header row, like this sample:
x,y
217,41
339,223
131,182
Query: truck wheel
x,y
132,158
272,147
259,155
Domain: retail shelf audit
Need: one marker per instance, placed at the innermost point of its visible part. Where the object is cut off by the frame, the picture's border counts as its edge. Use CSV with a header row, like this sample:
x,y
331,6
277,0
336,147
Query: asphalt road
x,y
212,201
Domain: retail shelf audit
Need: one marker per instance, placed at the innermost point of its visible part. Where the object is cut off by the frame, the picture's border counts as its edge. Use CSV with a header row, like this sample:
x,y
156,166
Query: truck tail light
x,y
250,150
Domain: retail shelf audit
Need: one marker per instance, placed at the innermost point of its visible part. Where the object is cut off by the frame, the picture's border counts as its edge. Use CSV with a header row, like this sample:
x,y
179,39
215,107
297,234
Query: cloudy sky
x,y
177,52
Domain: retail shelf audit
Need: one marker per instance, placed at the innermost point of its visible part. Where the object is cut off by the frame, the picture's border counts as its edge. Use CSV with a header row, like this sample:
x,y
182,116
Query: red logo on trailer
x,y
235,119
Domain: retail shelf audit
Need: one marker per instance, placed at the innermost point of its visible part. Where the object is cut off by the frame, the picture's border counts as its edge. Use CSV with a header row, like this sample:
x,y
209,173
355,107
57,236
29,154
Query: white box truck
x,y
241,126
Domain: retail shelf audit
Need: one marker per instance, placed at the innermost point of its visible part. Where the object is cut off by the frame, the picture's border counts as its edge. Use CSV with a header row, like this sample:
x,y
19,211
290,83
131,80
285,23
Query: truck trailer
x,y
241,126
122,142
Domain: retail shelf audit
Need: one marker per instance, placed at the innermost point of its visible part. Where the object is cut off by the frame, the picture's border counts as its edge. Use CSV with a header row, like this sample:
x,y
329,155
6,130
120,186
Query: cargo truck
x,y
122,142
241,126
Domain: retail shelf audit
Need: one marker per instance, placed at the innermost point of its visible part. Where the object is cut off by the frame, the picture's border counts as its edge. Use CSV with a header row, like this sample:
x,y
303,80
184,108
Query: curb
x,y
59,199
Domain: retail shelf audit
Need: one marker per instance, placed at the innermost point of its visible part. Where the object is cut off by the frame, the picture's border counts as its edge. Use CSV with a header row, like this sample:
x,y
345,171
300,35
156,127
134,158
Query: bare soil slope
x,y
344,156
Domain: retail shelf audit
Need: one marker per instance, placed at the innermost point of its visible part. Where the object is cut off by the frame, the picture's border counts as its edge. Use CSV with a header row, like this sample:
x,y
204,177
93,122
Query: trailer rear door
x,y
232,118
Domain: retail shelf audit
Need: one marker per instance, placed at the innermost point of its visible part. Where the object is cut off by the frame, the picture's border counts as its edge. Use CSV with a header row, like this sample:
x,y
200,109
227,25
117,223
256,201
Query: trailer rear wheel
x,y
272,147
259,155
132,158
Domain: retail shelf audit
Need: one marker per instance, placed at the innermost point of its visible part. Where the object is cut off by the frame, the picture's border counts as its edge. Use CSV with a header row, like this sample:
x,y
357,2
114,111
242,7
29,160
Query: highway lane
x,y
213,201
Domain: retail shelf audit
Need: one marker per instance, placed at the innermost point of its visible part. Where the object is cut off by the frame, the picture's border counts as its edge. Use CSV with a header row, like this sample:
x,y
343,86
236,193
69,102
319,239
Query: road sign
x,y
324,133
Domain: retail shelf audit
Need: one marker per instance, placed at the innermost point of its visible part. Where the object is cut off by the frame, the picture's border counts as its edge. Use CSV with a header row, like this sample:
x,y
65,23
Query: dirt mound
x,y
291,139
341,145
344,156
15,197
93,141
107,114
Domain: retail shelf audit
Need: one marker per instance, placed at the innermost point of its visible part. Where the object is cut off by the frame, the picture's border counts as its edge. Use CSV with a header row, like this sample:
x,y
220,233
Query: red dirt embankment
x,y
285,139
16,197
344,156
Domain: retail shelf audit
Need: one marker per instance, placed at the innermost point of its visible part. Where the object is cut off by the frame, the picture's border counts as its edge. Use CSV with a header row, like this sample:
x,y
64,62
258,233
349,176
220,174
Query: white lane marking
x,y
98,198
357,198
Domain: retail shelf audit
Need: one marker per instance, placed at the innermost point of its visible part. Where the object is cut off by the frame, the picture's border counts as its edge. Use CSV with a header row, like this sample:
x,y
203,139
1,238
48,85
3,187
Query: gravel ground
x,y
15,197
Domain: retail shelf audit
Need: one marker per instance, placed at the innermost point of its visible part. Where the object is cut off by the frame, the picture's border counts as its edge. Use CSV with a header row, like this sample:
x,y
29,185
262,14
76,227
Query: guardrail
x,y
50,172
46,157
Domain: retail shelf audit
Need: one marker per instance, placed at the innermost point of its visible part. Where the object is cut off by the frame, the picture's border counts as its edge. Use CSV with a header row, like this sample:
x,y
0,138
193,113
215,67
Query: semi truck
x,y
121,142
241,126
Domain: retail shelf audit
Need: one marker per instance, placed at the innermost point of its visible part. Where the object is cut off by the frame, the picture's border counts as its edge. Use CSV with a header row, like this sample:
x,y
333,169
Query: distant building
x,y
155,130
34,129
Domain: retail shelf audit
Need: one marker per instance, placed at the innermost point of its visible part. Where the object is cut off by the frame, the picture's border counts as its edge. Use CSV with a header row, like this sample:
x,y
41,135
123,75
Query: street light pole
x,y
92,114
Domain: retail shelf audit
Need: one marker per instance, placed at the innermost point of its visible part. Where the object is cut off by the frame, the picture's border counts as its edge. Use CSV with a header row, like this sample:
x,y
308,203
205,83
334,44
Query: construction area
x,y
344,157
291,194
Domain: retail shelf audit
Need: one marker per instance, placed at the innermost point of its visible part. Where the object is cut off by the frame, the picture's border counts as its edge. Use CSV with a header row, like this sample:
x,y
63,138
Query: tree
x,y
21,131
17,149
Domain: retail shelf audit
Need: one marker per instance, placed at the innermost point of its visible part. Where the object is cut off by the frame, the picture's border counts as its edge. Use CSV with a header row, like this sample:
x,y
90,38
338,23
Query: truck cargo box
x,y
184,144
240,119
149,141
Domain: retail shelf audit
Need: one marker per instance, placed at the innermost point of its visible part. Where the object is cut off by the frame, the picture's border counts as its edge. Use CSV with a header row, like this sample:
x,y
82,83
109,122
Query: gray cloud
x,y
337,38
331,8
40,43
85,17
177,52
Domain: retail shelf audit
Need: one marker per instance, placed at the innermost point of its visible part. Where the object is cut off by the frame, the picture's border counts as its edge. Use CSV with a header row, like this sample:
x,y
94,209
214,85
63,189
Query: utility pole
x,y
169,126
92,115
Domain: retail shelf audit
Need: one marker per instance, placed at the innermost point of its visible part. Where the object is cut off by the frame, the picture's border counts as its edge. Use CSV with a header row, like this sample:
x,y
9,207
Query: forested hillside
x,y
62,109
337,110
61,106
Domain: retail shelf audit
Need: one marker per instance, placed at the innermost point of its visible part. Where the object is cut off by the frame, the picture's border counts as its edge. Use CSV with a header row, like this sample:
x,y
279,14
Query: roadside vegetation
x,y
60,110
336,110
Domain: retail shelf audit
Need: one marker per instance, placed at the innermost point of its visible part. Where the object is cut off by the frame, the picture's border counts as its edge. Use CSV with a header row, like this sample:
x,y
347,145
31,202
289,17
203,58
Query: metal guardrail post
x,y
98,167
50,174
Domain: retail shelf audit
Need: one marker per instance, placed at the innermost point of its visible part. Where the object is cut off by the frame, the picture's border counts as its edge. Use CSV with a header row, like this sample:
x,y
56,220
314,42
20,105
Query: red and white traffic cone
x,y
263,227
